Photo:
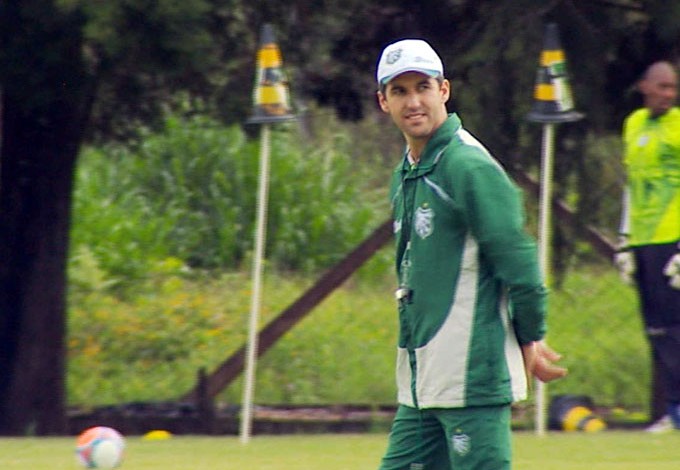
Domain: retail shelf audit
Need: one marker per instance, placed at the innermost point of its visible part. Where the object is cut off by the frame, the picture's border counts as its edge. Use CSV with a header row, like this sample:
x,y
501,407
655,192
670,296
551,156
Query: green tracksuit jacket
x,y
474,288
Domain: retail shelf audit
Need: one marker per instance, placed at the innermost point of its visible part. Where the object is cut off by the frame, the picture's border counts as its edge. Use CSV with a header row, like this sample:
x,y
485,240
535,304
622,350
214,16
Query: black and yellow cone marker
x,y
580,418
553,101
270,96
572,413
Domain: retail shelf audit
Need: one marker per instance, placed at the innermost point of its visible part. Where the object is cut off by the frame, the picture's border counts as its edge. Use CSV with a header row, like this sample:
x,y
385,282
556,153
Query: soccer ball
x,y
100,447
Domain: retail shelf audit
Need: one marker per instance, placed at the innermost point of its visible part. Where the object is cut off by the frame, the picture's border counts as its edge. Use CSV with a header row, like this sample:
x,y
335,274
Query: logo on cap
x,y
393,56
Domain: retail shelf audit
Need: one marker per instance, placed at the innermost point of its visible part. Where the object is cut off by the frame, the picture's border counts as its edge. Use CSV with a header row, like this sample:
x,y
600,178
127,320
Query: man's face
x,y
660,90
416,103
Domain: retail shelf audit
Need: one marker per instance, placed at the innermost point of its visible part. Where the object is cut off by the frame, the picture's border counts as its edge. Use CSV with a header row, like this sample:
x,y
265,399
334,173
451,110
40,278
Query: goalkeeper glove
x,y
624,260
672,270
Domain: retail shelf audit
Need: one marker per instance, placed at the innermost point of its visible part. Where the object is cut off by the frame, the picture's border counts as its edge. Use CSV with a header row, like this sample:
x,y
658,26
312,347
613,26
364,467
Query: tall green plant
x,y
114,229
190,192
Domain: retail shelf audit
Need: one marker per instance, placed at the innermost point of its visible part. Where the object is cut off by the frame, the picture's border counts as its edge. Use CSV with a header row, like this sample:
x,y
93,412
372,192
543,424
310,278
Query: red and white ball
x,y
100,447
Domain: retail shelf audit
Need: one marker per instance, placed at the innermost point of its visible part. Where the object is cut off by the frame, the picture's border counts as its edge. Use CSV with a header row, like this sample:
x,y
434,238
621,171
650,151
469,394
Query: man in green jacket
x,y
471,296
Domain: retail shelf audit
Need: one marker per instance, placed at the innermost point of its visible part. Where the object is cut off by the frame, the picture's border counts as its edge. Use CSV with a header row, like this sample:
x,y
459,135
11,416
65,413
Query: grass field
x,y
555,451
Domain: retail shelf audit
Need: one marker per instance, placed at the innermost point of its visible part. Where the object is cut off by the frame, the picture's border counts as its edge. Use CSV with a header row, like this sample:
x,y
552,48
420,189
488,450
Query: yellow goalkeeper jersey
x,y
652,160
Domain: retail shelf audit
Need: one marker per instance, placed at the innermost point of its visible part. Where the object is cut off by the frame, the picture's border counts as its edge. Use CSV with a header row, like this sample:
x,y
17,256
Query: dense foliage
x,y
190,192
150,346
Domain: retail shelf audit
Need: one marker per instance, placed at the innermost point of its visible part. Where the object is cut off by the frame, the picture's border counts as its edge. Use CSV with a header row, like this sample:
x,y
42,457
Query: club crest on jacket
x,y
424,222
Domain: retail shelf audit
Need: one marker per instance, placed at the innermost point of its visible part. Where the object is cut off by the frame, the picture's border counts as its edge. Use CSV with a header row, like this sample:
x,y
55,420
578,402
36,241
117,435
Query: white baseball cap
x,y
408,55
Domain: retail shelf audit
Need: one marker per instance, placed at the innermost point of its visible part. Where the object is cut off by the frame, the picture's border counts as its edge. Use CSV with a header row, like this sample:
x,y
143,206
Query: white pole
x,y
544,237
260,237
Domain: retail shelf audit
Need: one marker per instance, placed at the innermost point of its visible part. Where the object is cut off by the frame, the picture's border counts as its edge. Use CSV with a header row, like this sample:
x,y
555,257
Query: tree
x,y
44,109
55,57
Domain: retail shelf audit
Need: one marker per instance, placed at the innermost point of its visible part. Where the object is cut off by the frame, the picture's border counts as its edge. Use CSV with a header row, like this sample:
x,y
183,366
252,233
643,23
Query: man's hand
x,y
538,362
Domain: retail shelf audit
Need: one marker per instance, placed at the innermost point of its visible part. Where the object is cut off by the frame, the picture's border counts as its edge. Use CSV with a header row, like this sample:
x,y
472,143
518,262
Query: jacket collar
x,y
433,149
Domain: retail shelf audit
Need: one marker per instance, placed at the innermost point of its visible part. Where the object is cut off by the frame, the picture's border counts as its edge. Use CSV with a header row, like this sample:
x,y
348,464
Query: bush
x,y
190,193
151,346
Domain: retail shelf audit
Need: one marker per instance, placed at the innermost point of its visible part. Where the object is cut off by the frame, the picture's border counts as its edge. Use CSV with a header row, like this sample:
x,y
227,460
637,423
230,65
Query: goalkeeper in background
x,y
650,225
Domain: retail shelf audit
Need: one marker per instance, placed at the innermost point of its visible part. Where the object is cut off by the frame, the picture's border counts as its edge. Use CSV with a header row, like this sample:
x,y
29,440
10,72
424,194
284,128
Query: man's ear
x,y
382,102
445,89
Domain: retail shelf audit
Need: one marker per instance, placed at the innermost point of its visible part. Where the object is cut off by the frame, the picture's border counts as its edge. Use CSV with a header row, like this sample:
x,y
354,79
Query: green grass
x,y
555,451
